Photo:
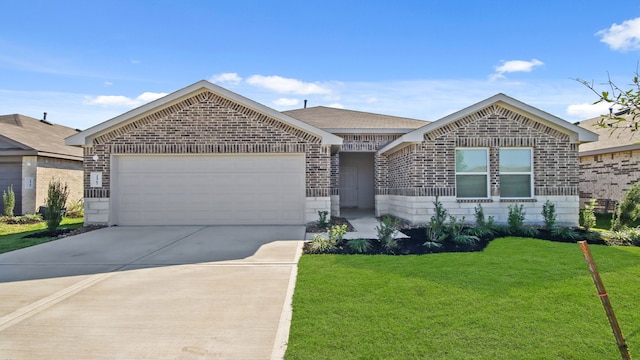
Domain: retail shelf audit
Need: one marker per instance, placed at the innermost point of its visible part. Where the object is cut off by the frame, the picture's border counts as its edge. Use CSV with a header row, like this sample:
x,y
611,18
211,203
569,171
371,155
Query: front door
x,y
348,186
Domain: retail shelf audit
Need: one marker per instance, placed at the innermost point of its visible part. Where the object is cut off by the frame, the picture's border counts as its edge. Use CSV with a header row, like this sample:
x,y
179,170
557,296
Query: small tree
x,y
549,213
629,209
588,217
56,201
516,217
9,200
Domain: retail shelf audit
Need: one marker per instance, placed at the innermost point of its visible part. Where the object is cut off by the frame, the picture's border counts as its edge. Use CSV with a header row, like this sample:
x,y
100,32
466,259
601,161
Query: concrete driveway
x,y
174,292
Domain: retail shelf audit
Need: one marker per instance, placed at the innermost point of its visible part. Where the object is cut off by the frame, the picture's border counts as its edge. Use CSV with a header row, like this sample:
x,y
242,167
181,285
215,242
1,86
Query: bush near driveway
x,y
518,299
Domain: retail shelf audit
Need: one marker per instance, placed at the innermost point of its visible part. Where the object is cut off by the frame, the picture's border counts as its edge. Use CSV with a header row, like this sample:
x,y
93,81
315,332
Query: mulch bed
x,y
61,233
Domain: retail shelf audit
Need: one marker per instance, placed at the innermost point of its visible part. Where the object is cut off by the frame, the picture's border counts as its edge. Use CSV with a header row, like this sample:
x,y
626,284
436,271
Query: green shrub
x,y
323,219
588,216
455,232
9,201
479,214
436,227
75,209
359,246
336,233
626,237
321,245
432,245
565,233
628,211
516,218
549,214
484,228
387,229
56,201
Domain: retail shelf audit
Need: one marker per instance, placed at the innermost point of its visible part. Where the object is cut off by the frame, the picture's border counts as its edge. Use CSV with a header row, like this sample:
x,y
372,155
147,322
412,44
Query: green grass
x,y
11,235
518,299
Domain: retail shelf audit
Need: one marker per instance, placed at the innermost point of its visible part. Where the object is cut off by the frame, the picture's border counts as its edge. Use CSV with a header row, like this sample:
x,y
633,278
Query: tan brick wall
x,y
67,171
208,124
606,177
428,169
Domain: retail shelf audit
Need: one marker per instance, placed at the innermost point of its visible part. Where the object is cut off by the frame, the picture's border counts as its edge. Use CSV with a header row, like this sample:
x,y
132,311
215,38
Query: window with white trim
x,y
472,173
516,173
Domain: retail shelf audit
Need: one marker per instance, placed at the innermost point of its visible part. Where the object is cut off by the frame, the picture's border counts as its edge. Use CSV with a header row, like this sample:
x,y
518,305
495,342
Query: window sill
x,y
474,200
512,200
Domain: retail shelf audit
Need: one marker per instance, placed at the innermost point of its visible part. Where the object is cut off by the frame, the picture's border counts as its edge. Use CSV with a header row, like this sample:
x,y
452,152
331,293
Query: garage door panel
x,y
214,189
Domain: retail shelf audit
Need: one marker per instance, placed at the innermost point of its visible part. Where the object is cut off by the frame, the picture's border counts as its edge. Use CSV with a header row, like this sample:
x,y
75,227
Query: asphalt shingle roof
x,y
609,138
331,118
37,135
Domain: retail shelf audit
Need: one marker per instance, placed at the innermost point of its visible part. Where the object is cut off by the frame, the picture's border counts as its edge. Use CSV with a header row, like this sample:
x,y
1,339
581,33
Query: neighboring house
x,y
205,155
609,166
32,153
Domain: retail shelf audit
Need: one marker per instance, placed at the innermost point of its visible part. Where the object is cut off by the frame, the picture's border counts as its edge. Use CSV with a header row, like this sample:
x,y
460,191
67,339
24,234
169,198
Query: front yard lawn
x,y
518,299
12,235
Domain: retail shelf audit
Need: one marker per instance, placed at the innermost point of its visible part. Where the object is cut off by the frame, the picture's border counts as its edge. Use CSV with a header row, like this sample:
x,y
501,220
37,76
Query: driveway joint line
x,y
32,309
133,262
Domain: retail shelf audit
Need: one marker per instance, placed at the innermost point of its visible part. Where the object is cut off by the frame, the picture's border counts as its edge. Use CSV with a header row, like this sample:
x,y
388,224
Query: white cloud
x,y
287,86
623,37
226,78
587,110
122,101
515,66
336,105
108,83
286,102
135,61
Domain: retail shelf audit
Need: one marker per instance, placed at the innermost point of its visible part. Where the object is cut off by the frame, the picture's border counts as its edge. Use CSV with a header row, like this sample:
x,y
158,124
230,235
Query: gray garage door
x,y
11,174
208,189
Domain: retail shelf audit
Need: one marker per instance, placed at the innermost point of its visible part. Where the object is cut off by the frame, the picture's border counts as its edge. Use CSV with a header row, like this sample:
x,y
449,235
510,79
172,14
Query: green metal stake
x,y
604,298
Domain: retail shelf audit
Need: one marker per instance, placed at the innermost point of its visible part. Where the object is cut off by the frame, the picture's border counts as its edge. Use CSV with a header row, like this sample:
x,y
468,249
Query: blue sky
x,y
84,62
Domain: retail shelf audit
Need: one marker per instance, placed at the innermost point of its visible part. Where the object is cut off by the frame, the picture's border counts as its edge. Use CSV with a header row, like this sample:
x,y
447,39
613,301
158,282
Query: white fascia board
x,y
85,137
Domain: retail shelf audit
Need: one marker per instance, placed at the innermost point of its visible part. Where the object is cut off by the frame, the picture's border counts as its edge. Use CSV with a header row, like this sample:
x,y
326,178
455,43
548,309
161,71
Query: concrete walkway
x,y
171,293
364,223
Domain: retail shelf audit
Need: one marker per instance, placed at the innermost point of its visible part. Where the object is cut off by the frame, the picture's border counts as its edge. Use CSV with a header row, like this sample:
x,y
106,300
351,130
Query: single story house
x,y
32,153
609,166
205,155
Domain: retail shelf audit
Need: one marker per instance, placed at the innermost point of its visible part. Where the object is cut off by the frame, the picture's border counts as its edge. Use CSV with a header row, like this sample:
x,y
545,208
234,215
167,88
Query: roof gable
x,y
25,133
496,103
173,102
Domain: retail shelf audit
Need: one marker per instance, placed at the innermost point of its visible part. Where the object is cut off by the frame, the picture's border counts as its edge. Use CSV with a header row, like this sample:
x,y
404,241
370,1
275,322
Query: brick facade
x,y
420,172
428,169
606,177
207,124
406,179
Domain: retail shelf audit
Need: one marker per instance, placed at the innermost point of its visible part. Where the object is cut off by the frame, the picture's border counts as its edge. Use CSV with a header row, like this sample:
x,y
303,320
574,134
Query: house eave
x,y
17,152
609,150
